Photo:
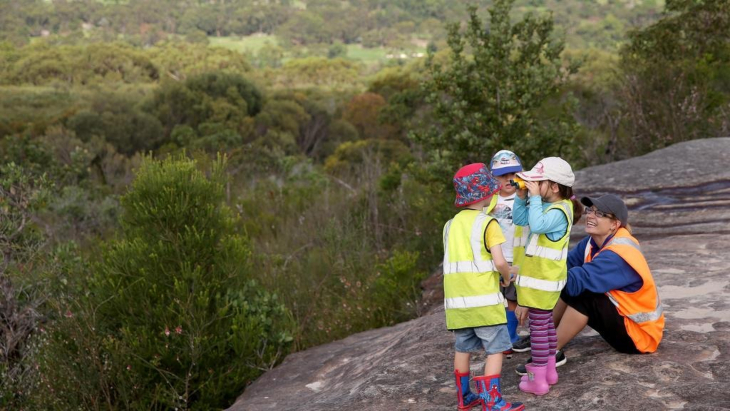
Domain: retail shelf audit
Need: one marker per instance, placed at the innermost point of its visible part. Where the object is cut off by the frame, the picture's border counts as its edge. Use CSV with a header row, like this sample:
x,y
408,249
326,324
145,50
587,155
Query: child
x,y
473,265
542,274
504,165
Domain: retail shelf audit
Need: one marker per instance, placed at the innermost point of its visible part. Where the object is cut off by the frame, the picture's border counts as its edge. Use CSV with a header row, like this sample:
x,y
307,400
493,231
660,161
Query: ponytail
x,y
567,193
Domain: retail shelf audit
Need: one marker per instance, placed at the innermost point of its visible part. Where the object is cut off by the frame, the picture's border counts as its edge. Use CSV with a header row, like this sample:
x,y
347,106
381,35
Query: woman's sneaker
x,y
559,360
522,345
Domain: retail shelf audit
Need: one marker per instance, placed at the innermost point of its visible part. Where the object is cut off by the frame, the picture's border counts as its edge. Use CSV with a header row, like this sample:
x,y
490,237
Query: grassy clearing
x,y
247,44
366,55
370,57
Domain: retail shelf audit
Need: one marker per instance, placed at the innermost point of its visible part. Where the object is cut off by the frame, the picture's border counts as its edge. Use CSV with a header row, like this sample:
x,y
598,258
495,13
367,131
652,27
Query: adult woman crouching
x,y
610,287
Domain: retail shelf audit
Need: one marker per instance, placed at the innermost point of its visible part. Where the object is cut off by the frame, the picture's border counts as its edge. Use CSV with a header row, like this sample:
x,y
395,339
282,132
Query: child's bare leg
x,y
493,364
461,361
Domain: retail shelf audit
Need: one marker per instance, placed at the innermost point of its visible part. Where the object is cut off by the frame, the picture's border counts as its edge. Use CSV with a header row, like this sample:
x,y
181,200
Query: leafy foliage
x,y
489,94
172,305
172,316
218,106
21,288
676,78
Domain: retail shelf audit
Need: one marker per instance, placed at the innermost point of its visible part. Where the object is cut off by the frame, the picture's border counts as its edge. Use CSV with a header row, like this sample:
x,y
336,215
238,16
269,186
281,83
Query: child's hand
x,y
503,282
514,270
522,193
521,314
533,187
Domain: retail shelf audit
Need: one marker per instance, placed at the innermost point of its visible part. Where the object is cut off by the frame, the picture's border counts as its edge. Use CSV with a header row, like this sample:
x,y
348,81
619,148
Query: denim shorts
x,y
493,339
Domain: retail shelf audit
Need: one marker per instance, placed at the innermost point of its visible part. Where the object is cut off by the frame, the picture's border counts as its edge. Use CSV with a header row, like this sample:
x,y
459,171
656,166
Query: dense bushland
x,y
141,270
171,315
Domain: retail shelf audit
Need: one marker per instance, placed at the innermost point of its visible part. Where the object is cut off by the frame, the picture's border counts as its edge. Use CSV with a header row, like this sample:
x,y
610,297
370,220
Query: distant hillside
x,y
312,25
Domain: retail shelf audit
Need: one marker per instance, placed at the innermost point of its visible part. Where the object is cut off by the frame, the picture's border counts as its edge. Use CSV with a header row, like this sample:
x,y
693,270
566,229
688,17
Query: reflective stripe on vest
x,y
518,244
538,284
468,267
521,235
474,301
613,241
544,252
643,317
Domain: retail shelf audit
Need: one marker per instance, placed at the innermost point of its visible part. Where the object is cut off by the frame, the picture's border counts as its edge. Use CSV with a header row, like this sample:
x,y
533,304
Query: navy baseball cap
x,y
609,203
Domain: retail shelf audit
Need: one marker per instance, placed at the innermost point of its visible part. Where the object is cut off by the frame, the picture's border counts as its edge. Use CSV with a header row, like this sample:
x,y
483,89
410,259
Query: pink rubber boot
x,y
551,374
536,383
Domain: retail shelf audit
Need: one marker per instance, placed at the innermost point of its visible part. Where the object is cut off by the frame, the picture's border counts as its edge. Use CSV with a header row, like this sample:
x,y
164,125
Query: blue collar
x,y
594,246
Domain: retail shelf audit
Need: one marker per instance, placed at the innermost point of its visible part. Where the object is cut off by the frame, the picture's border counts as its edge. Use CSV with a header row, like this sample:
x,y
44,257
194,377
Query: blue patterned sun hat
x,y
474,183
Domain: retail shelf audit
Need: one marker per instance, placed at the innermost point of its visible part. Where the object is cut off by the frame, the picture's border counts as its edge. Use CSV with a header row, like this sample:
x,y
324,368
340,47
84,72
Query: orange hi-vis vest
x,y
641,309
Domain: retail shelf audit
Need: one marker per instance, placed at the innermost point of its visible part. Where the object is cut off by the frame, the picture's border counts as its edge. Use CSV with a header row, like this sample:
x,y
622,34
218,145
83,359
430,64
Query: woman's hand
x,y
533,187
521,313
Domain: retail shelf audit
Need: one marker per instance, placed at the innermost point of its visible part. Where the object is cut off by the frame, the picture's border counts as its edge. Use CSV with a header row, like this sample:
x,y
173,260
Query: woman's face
x,y
599,223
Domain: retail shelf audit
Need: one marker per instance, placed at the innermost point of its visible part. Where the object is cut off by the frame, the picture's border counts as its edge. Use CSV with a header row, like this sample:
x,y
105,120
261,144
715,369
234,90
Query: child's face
x,y
549,191
507,188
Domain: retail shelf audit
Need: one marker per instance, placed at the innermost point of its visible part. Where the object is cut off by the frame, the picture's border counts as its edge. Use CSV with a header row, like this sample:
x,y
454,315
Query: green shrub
x,y
396,289
170,317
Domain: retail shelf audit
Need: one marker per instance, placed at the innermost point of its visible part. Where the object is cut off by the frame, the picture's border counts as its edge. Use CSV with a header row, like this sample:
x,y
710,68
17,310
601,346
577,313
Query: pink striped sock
x,y
539,337
552,336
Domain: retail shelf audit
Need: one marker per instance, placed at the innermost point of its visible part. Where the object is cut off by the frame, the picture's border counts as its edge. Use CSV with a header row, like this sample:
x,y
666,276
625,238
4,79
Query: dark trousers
x,y
604,318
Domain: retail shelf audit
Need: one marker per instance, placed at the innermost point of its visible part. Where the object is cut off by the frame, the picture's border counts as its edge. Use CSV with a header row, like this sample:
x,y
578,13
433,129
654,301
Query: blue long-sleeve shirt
x,y
553,223
604,273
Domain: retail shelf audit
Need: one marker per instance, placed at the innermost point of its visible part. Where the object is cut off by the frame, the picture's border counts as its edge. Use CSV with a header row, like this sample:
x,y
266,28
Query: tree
x,y
21,196
317,71
209,103
172,317
363,111
282,120
180,60
400,87
114,117
675,76
488,95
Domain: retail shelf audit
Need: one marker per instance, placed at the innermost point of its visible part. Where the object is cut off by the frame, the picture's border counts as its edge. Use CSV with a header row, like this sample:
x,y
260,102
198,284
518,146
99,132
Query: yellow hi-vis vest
x,y
543,270
522,233
520,236
471,281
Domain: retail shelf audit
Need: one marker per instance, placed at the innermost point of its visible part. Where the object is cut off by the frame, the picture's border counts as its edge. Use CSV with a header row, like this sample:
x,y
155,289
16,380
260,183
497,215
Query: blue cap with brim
x,y
505,162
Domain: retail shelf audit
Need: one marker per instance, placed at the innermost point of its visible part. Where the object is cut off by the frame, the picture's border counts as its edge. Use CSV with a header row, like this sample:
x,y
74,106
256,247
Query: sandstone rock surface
x,y
680,209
